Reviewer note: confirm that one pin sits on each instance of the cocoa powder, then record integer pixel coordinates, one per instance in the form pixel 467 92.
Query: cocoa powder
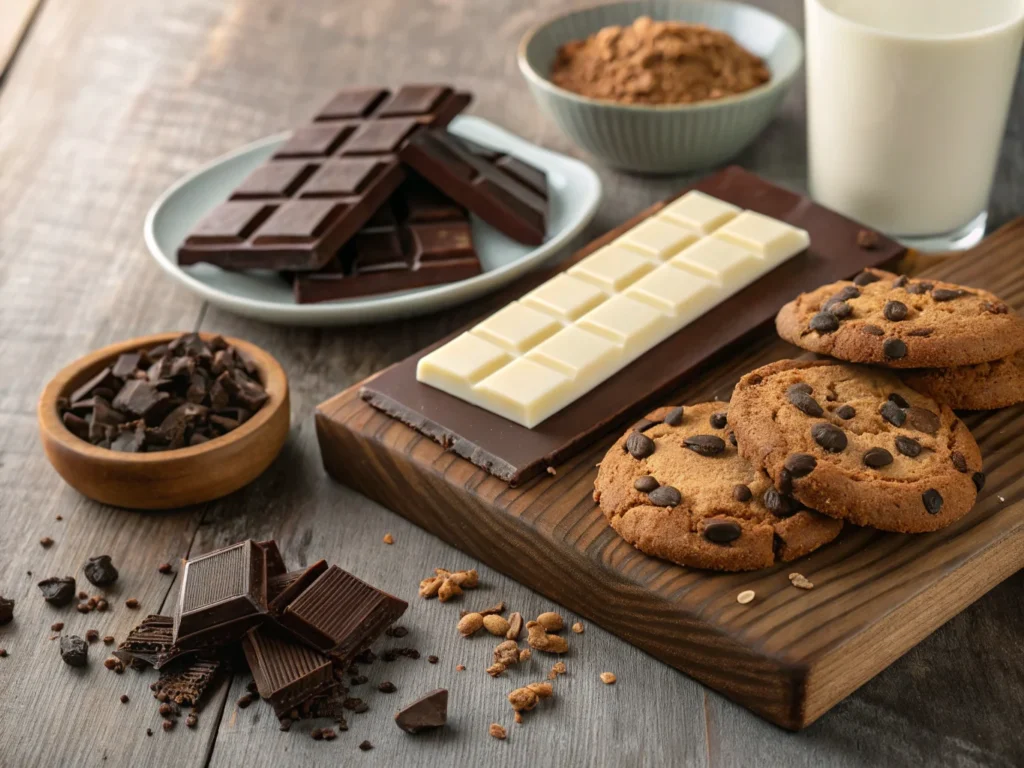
pixel 657 62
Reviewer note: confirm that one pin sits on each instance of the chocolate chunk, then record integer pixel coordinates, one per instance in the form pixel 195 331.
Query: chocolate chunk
pixel 741 493
pixel 6 611
pixel 824 322
pixel 639 446
pixel 947 294
pixel 645 484
pixel 721 531
pixel 829 437
pixel 900 281
pixel 872 330
pixel 876 458
pixel 908 446
pixel 139 398
pixel 846 293
pixel 894 348
pixel 732 439
pixel 801 387
pixel 76 425
pixel 959 461
pixel 430 711
pixel 58 591
pixel 131 440
pixel 74 651
pixel 665 496
pixel 865 277
pixel 105 379
pixel 780 504
pixel 919 288
pixel 893 413
pixel 846 412
pixel 899 399
pixel 840 309
pixel 895 311
pixel 979 480
pixel 923 420
pixel 806 404
pixel 705 445
pixel 286 672
pixel 719 420
pixel 932 501
pixel 126 365
pixel 100 570
pixel 674 417
pixel 800 464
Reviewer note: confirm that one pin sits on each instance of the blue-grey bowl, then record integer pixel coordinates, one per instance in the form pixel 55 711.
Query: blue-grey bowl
pixel 664 138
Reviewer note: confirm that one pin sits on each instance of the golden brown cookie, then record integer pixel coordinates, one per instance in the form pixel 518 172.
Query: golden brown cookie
pixel 858 444
pixel 980 387
pixel 890 320
pixel 675 487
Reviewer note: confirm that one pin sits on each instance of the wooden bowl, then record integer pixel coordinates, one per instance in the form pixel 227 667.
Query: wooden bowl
pixel 165 479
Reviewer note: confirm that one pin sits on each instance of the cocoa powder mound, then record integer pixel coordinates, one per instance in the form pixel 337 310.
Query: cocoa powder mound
pixel 658 62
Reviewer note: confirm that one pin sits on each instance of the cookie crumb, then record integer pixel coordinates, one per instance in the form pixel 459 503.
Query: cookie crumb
pixel 800 581
pixel 389 539
pixel 498 732
pixel 526 698
pixel 744 597
pixel 556 670
pixel 578 628
pixel 608 678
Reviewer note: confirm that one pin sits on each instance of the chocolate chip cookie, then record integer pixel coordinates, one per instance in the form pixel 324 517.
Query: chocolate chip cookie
pixel 980 387
pixel 890 320
pixel 858 444
pixel 675 487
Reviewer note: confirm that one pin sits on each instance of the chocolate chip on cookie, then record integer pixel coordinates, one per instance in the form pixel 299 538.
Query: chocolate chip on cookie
pixel 908 446
pixel 805 403
pixel 923 420
pixel 800 464
pixel 948 294
pixel 959 461
pixel 639 445
pixel 742 493
pixel 895 311
pixel 829 436
pixel 876 458
pixel 665 496
pixel 894 348
pixel 646 484
pixel 785 481
pixel 978 478
pixel 644 424
pixel 920 332
pixel 846 412
pixel 780 504
pixel 840 309
pixel 801 387
pixel 721 531
pixel 899 399
pixel 893 413
pixel 932 501
pixel 705 445
pixel 865 278
pixel 919 289
pixel 674 417
pixel 719 420
pixel 900 281
pixel 846 293
pixel 824 322
pixel 732 439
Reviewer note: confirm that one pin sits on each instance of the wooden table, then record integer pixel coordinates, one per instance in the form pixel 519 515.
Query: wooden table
pixel 102 105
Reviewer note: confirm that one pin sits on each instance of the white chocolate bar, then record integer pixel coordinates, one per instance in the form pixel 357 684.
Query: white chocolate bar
pixel 537 355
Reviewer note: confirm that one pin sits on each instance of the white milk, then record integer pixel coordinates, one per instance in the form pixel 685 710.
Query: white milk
pixel 907 102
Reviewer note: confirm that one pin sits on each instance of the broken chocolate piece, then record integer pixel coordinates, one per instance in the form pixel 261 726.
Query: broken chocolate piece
pixel 58 591
pixel 100 570
pixel 430 711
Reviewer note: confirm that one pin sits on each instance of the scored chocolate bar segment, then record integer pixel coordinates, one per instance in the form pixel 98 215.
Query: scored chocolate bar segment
pixel 284 588
pixel 223 594
pixel 514 453
pixel 340 615
pixel 507 193
pixel 186 681
pixel 295 211
pixel 286 672
pixel 419 238
pixel 274 560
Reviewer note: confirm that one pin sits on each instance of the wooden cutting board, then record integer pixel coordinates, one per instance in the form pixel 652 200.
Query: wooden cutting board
pixel 789 655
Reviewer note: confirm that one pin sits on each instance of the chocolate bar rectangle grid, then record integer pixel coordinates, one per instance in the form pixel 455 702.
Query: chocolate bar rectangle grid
pixel 507 193
pixel 418 238
pixel 296 210
pixel 286 673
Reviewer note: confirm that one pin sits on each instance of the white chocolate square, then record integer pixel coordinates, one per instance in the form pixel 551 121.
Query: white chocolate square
pixel 771 239
pixel 660 238
pixel 524 391
pixel 456 366
pixel 565 297
pixel 577 353
pixel 675 292
pixel 516 327
pixel 612 268
pixel 701 213
pixel 720 261
pixel 630 324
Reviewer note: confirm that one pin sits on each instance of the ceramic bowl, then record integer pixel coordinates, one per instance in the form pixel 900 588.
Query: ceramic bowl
pixel 664 138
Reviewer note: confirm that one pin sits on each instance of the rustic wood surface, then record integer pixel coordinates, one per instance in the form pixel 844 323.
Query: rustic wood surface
pixel 106 104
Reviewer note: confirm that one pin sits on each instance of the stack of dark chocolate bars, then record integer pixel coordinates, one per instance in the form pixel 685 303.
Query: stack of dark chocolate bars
pixel 299 630
pixel 371 197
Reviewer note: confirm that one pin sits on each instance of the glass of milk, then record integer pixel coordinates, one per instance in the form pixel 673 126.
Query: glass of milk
pixel 907 103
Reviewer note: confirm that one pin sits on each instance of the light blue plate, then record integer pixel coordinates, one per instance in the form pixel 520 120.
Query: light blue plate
pixel 575 192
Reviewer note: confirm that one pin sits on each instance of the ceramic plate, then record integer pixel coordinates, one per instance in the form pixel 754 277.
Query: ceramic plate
pixel 575 192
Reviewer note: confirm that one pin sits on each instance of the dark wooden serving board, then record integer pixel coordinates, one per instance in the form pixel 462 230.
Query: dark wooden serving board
pixel 791 654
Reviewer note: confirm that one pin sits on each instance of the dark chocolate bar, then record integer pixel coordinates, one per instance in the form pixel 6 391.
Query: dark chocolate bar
pixel 507 193
pixel 339 615
pixel 515 453
pixel 274 560
pixel 284 588
pixel 151 642
pixel 419 238
pixel 223 594
pixel 296 210
pixel 287 673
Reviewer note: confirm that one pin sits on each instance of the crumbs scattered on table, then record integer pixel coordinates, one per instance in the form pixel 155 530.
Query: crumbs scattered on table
pixel 578 628
pixel 800 581
pixel 608 678
pixel 389 539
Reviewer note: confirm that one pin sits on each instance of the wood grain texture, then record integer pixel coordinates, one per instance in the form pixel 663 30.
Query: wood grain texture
pixel 107 104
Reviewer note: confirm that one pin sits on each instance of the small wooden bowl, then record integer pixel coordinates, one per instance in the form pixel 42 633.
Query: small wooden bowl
pixel 165 479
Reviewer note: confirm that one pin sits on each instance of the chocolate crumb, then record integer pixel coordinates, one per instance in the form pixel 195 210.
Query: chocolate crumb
pixel 124 698
pixel 165 568
pixel 46 541
pixel 132 603
pixel 432 659
pixel 387 686
pixel 366 746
